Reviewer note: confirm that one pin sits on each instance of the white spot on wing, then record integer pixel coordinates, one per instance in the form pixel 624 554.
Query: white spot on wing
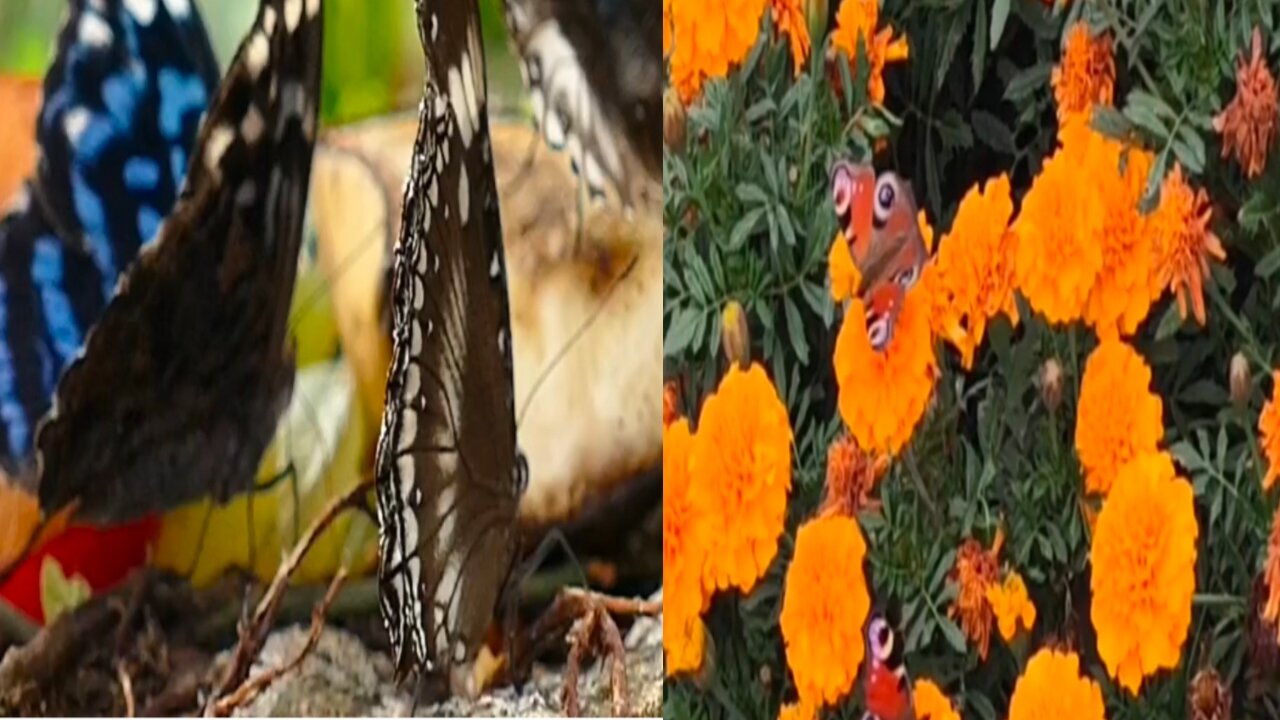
pixel 94 31
pixel 457 97
pixel 178 9
pixel 144 11
pixel 252 125
pixel 269 20
pixel 74 124
pixel 257 52
pixel 219 140
pixel 292 14
pixel 313 7
pixel 464 195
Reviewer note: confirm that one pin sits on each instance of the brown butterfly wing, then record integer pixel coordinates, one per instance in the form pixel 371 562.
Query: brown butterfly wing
pixel 183 378
pixel 449 474
pixel 897 252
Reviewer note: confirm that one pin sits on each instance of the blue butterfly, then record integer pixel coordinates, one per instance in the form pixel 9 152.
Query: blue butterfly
pixel 122 104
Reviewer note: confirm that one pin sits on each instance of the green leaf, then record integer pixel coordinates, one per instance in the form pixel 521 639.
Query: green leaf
pixel 680 333
pixel 978 60
pixel 991 131
pixel 1189 147
pixel 1170 322
pixel 59 593
pixel 955 638
pixel 1269 264
pixel 1027 81
pixel 795 329
pixel 743 229
pixel 999 16
pixel 751 194
pixel 1110 122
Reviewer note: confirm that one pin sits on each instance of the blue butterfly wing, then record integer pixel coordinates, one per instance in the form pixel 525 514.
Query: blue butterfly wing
pixel 122 105
pixel 123 102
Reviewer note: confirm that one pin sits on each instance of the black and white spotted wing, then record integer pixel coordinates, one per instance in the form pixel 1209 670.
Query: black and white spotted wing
pixel 594 73
pixel 449 474
pixel 182 380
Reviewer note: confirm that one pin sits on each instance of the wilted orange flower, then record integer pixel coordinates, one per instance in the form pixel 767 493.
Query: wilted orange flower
pixel 930 703
pixel 1184 243
pixel 1271 575
pixel 851 476
pixel 1085 75
pixel 670 403
pixel 926 230
pixel 741 470
pixel 859 18
pixel 1248 124
pixel 1119 417
pixel 683 598
pixel 1144 569
pixel 976 570
pixel 1121 297
pixel 845 277
pixel 974 277
pixel 798 711
pixel 883 395
pixel 1058 251
pixel 1269 432
pixel 789 19
pixel 1051 687
pixel 709 39
pixel 666 29
pixel 824 608
pixel 1011 605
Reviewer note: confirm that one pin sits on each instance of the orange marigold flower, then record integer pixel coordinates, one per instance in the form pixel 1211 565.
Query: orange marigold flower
pixel 975 572
pixel 1119 417
pixel 1271 575
pixel 845 277
pixel 1248 124
pixel 1144 569
pixel 1269 433
pixel 1085 75
pixel 824 608
pixel 883 395
pixel 789 19
pixel 1051 687
pixel 683 598
pixel 798 711
pixel 1121 297
pixel 1183 243
pixel 709 39
pixel 857 18
pixel 974 268
pixel 670 403
pixel 1058 251
pixel 930 703
pixel 741 469
pixel 1011 605
pixel 851 476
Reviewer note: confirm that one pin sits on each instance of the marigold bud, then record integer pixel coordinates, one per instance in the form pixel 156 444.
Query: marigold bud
pixel 1051 384
pixel 735 335
pixel 674 122
pixel 1240 380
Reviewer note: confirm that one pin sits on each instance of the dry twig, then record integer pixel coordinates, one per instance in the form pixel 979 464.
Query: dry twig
pixel 590 615
pixel 253 636
pixel 126 689
pixel 250 688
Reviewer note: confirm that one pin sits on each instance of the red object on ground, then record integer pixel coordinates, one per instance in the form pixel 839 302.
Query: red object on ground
pixel 103 556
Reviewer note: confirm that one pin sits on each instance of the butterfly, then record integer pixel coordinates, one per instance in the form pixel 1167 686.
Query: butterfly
pixel 878 217
pixel 886 688
pixel 594 72
pixel 181 382
pixel 121 106
pixel 449 472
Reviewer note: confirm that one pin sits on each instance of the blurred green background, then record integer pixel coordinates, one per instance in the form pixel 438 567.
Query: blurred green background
pixel 373 62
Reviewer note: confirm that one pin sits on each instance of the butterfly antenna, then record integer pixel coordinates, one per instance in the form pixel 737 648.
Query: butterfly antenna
pixel 204 532
pixel 577 335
